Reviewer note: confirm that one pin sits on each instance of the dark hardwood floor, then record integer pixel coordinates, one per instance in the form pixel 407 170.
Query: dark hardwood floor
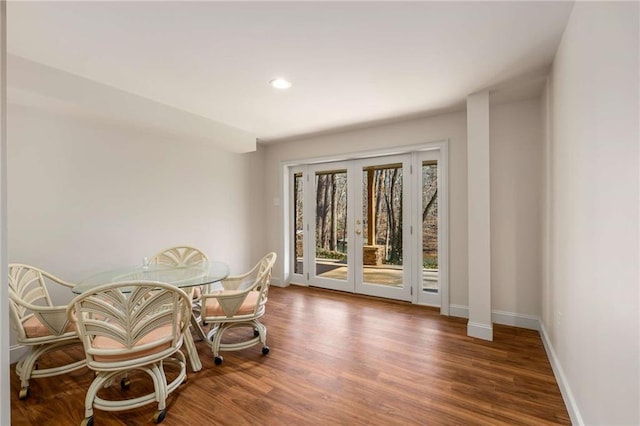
pixel 338 359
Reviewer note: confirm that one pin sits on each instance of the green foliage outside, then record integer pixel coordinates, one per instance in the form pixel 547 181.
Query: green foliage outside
pixel 430 262
pixel 330 254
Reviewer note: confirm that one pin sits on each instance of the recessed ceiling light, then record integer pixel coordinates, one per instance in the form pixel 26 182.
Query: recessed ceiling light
pixel 280 83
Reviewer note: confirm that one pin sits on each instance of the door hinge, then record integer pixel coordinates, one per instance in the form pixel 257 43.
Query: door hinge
pixel 411 169
pixel 411 230
pixel 411 288
pixel 307 226
pixel 307 276
pixel 307 177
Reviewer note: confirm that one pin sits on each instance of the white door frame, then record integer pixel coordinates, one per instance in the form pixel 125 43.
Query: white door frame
pixel 442 147
pixel 426 298
pixel 293 170
pixel 372 289
pixel 310 215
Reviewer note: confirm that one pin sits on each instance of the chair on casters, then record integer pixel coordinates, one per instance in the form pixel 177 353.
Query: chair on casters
pixel 240 304
pixel 131 326
pixel 181 256
pixel 39 324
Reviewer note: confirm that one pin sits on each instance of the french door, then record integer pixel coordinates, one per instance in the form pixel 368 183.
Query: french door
pixel 368 226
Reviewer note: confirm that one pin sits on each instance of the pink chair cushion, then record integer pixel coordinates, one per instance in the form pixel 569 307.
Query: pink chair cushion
pixel 213 308
pixel 103 342
pixel 197 291
pixel 34 328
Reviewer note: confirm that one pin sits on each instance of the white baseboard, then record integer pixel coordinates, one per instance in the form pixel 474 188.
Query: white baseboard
pixel 459 311
pixel 480 331
pixel 563 384
pixel 277 281
pixel 500 317
pixel 16 352
pixel 516 320
pixel 533 323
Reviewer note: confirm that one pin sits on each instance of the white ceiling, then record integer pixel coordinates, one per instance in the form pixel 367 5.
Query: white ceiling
pixel 350 63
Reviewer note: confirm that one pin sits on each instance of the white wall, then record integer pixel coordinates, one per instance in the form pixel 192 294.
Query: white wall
pixel 591 304
pixel 36 84
pixel 516 151
pixel 84 196
pixel 516 127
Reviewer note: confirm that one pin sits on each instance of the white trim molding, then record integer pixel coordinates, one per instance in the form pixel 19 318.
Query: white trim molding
pixel 561 379
pixel 286 243
pixel 513 319
pixel 459 311
pixel 16 352
pixel 5 352
pixel 278 282
pixel 530 322
pixel 480 331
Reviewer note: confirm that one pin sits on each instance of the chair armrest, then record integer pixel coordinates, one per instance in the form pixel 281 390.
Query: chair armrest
pixel 54 318
pixel 220 294
pixel 237 282
pixel 57 280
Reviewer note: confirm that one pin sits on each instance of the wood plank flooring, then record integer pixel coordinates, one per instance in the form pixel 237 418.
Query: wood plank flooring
pixel 338 359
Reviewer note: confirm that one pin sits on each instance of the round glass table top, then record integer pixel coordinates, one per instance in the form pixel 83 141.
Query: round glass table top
pixel 181 276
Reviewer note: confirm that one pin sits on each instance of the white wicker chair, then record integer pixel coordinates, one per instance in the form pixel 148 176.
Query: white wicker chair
pixel 181 256
pixel 131 326
pixel 38 323
pixel 240 304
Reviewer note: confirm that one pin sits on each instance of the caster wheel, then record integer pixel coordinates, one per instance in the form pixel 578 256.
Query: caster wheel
pixel 87 422
pixel 256 333
pixel 125 383
pixel 218 360
pixel 184 380
pixel 159 416
pixel 24 393
pixel 265 350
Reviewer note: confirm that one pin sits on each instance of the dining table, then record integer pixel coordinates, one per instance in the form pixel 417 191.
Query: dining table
pixel 205 273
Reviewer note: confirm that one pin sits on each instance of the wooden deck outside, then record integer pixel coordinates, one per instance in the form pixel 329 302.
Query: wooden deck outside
pixel 390 275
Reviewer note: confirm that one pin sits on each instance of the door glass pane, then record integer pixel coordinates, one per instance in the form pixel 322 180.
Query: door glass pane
pixel 430 226
pixel 382 225
pixel 331 224
pixel 298 223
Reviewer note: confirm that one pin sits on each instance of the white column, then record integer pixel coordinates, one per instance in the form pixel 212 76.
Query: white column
pixel 5 399
pixel 479 209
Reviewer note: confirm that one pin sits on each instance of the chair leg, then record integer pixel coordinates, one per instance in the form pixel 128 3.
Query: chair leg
pixel 27 367
pixel 192 352
pixel 24 367
pixel 160 384
pixel 196 326
pixel 262 331
pixel 214 338
pixel 262 335
pixel 97 384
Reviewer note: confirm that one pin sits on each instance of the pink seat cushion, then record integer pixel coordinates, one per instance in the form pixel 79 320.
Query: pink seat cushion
pixel 34 328
pixel 213 308
pixel 196 292
pixel 103 342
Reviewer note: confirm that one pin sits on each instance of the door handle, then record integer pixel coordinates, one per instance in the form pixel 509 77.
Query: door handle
pixel 358 232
